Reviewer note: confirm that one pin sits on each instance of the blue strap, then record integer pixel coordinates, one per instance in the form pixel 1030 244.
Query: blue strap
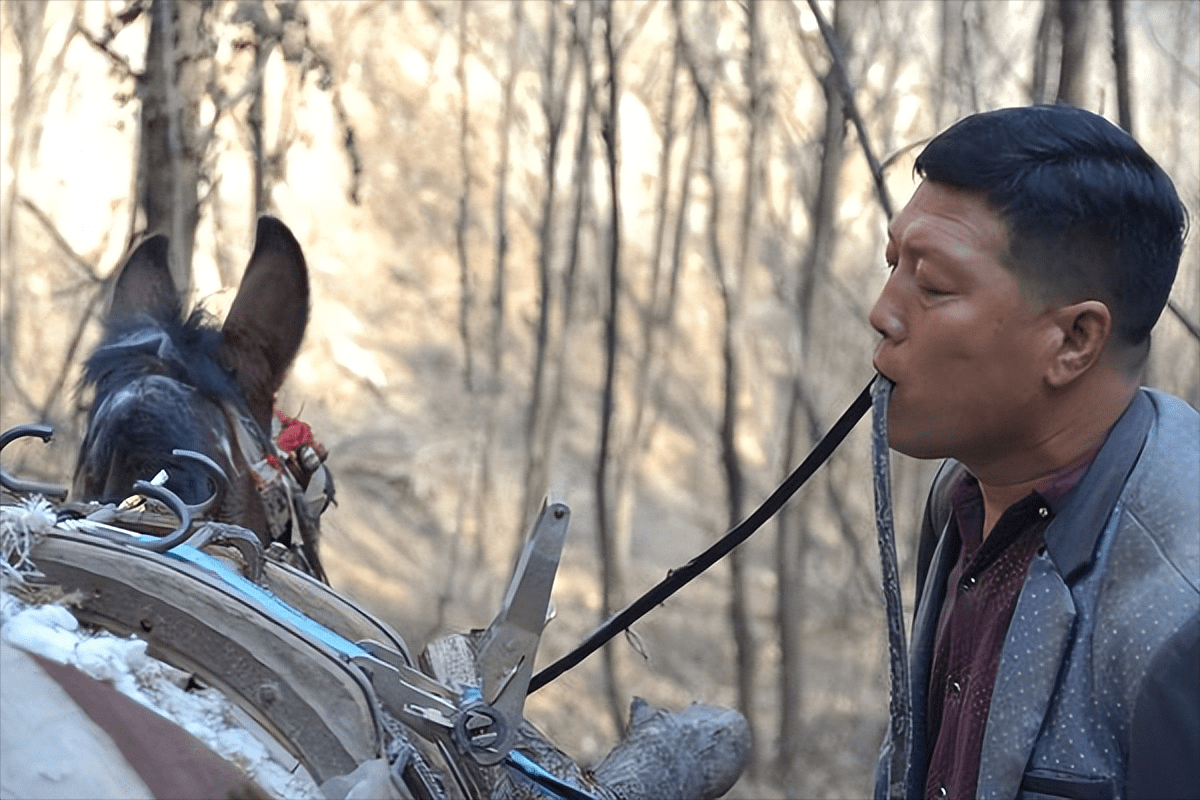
pixel 273 605
pixel 553 786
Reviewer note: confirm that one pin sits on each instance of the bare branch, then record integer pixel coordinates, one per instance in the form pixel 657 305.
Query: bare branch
pixel 843 84
pixel 122 65
pixel 1183 69
pixel 60 241
pixel 463 220
pixel 69 358
pixel 1188 323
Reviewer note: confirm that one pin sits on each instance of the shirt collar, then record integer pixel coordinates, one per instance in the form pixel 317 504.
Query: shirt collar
pixel 1057 486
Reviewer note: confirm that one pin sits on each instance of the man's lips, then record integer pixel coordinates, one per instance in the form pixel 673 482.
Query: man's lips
pixel 878 368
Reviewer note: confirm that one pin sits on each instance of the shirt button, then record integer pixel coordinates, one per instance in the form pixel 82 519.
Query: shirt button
pixel 1043 512
pixel 955 687
pixel 940 793
pixel 968 583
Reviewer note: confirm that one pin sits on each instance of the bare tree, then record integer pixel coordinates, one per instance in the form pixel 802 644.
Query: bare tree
pixel 500 268
pixel 729 287
pixel 463 220
pixel 29 32
pixel 657 310
pixel 792 542
pixel 757 113
pixel 555 87
pixel 1039 88
pixel 580 221
pixel 1073 16
pixel 1120 55
pixel 611 579
pixel 177 65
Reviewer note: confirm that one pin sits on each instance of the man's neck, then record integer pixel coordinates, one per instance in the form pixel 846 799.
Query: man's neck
pixel 1082 428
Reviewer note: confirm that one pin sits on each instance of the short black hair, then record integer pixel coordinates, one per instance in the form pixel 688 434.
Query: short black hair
pixel 1090 215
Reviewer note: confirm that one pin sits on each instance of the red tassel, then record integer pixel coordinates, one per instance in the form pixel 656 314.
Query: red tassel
pixel 294 434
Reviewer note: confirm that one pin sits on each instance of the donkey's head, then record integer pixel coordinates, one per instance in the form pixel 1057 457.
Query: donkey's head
pixel 164 382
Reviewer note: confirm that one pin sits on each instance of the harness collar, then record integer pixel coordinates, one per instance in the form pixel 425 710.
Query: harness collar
pixel 294 484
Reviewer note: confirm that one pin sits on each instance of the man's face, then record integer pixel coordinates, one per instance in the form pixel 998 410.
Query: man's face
pixel 965 348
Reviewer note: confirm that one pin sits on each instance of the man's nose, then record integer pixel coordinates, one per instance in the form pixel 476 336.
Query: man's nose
pixel 885 316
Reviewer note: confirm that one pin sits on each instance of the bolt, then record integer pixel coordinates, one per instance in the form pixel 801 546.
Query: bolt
pixel 268 693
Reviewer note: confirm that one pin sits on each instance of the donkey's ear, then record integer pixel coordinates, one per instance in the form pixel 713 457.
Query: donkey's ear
pixel 266 322
pixel 144 285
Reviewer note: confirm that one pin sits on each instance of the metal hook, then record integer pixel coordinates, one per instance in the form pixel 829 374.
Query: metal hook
pixel 244 541
pixel 179 508
pixel 17 486
pixel 217 475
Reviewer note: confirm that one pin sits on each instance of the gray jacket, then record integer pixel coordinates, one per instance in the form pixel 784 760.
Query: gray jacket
pixel 1098 689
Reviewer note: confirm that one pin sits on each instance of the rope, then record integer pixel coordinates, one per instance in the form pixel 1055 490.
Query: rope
pixel 678 578
pixel 21 527
pixel 900 705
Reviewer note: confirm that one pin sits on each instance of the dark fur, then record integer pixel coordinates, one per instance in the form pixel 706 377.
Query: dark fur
pixel 171 401
pixel 163 383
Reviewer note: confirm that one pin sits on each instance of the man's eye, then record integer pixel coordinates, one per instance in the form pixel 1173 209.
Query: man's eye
pixel 931 291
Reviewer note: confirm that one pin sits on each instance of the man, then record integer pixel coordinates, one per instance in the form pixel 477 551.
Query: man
pixel 1056 639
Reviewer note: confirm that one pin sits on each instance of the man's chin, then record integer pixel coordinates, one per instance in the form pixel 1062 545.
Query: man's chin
pixel 913 444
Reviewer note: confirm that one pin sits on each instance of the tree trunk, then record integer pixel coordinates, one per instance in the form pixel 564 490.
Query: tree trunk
pixel 611 588
pixel 30 34
pixel 462 222
pixel 1039 89
pixel 500 267
pixel 791 551
pixel 581 218
pixel 537 440
pixel 1072 77
pixel 740 616
pixel 169 170
pixel 1120 53
pixel 655 317
pixel 793 539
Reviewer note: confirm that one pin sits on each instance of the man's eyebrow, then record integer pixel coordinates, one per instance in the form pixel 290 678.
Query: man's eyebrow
pixel 920 244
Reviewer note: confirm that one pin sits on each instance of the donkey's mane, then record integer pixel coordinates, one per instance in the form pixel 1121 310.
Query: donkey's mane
pixel 185 351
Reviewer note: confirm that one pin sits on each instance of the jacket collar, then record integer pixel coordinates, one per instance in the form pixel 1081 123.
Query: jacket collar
pixel 1072 535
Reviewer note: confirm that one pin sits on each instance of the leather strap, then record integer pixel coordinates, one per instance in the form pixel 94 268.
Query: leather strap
pixel 678 578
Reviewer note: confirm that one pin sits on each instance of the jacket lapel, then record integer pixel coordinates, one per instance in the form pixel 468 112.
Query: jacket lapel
pixel 1040 631
pixel 924 636
pixel 1029 665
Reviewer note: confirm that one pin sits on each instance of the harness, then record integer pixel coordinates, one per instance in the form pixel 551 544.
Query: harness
pixel 285 463
pixel 332 684
pixel 288 470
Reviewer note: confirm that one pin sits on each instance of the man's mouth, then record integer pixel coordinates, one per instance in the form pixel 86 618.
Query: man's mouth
pixel 875 364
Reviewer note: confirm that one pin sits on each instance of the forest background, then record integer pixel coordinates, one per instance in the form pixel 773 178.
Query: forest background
pixel 617 253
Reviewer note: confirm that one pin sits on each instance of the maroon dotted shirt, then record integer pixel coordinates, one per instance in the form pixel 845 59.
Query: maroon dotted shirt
pixel 981 594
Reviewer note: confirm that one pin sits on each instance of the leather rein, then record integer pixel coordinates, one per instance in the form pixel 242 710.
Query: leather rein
pixel 678 578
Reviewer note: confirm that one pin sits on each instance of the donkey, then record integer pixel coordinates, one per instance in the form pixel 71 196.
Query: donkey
pixel 166 383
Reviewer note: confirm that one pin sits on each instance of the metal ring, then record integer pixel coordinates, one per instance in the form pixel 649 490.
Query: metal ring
pixel 217 475
pixel 480 731
pixel 49 490
pixel 178 508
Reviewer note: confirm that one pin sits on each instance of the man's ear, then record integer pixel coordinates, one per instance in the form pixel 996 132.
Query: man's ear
pixel 1083 329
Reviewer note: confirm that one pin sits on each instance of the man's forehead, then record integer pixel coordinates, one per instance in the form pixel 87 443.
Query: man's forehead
pixel 938 211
